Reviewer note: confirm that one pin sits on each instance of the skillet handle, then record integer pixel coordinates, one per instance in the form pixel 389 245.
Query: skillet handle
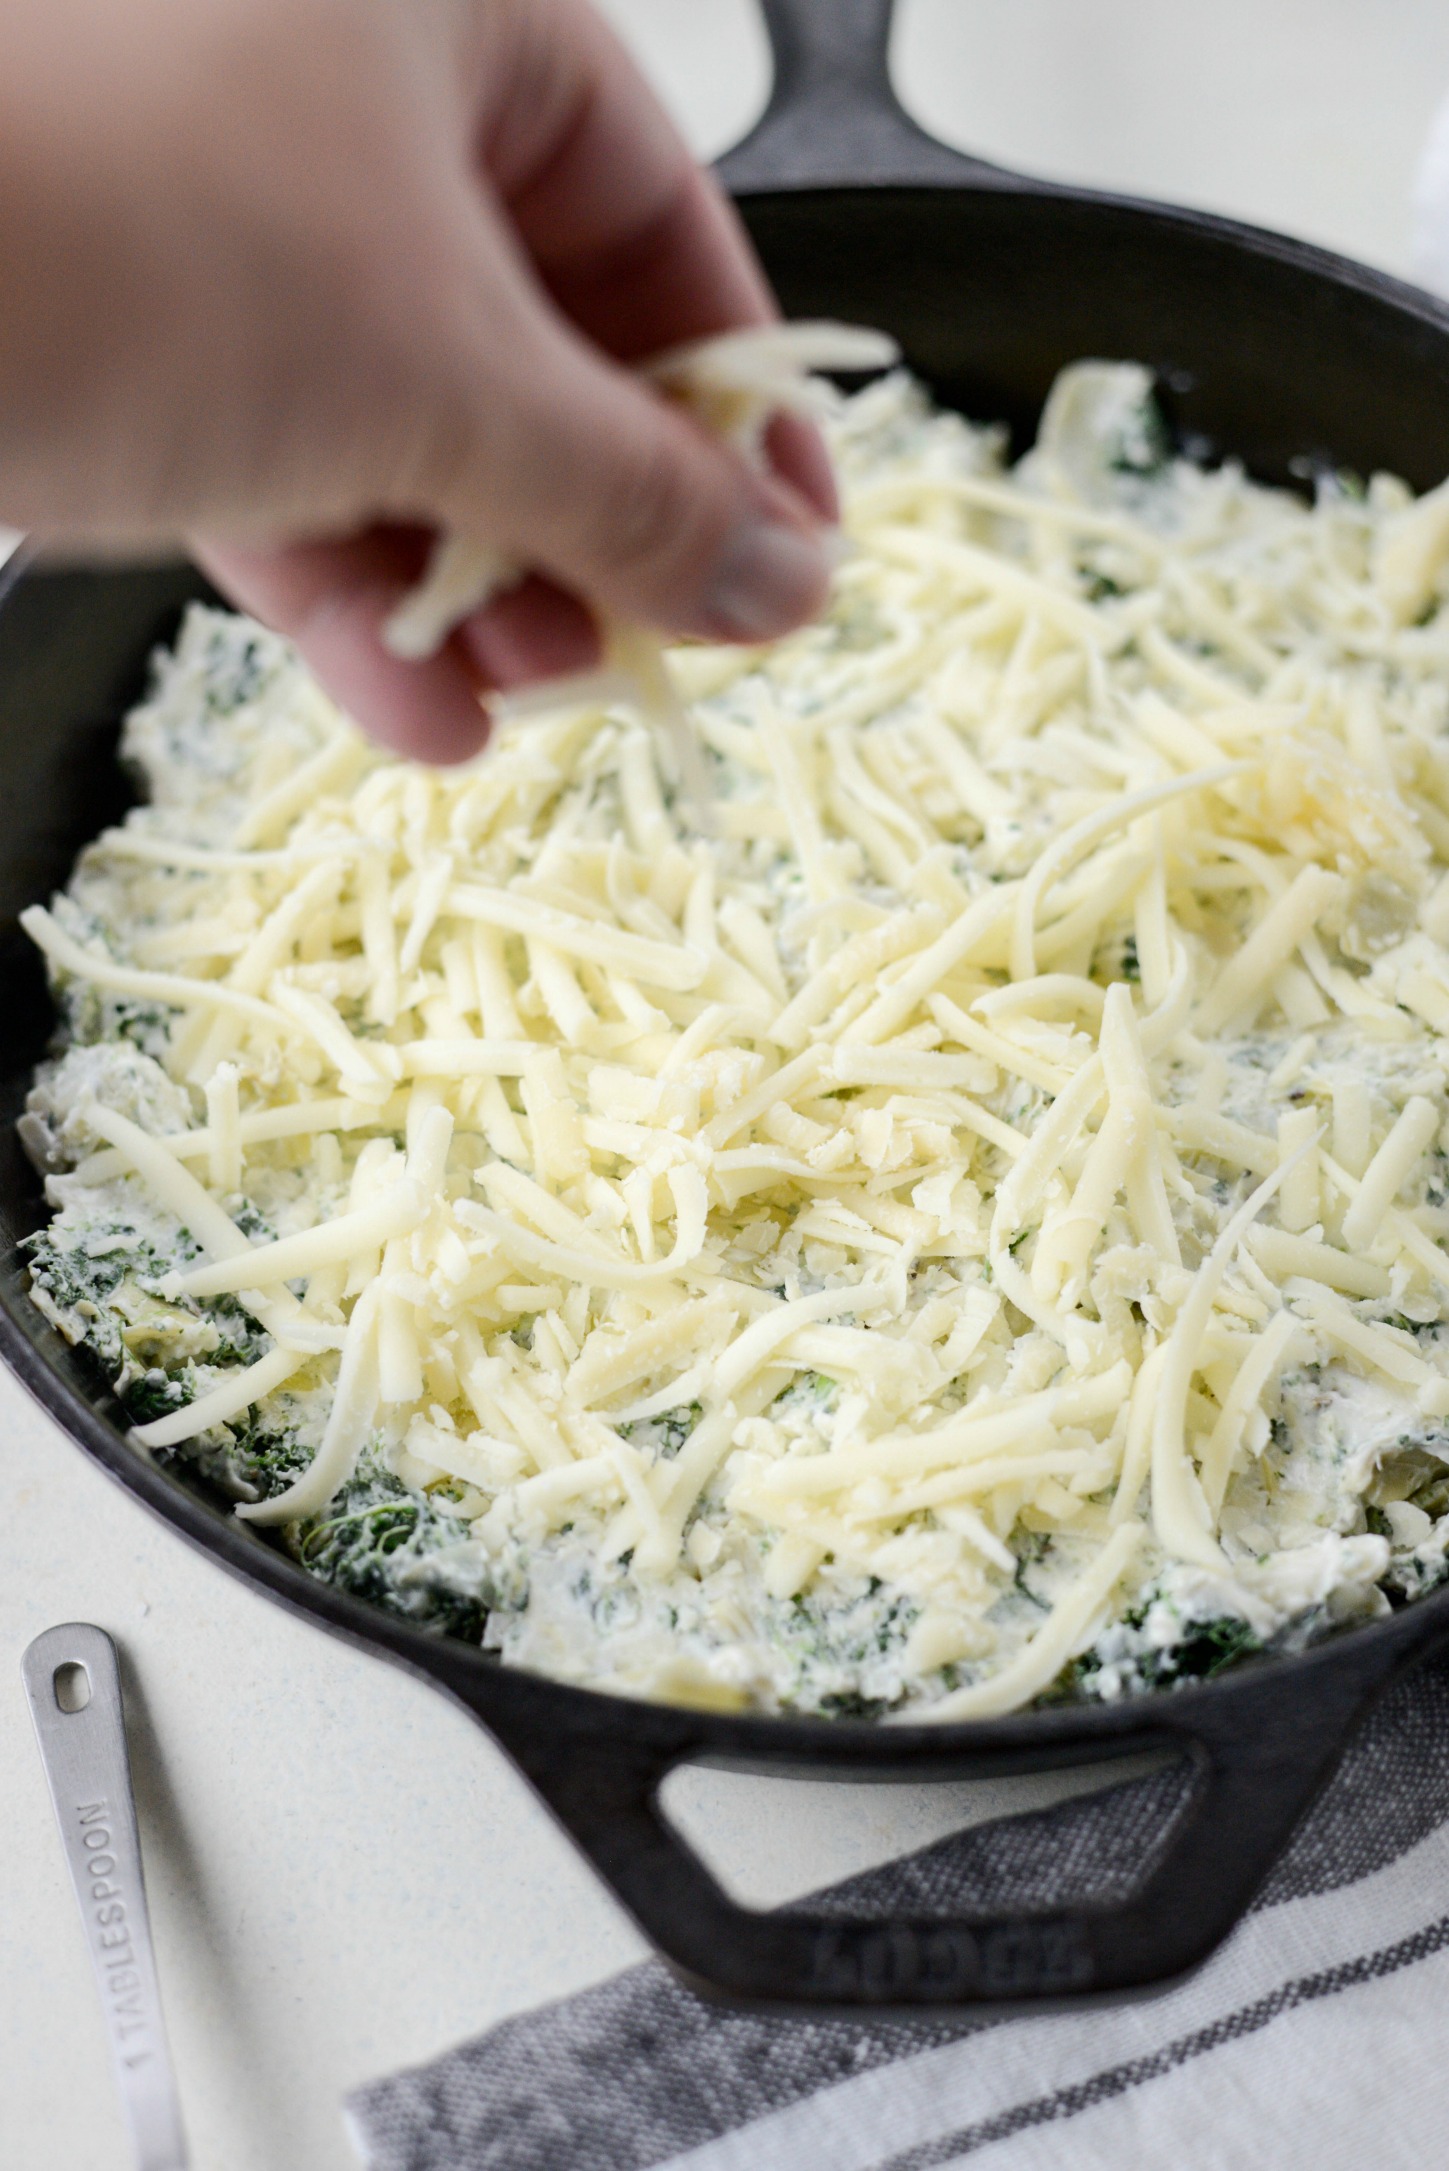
pixel 1261 1748
pixel 833 119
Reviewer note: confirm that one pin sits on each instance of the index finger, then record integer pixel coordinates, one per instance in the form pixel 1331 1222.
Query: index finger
pixel 637 245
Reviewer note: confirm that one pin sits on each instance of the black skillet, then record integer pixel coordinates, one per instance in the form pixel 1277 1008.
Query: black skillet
pixel 1270 350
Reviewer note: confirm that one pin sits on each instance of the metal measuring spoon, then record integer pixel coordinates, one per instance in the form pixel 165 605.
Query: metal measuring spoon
pixel 74 1687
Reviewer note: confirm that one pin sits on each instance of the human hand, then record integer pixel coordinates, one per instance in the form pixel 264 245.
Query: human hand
pixel 304 281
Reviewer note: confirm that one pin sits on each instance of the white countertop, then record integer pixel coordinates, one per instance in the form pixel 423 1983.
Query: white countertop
pixel 345 1875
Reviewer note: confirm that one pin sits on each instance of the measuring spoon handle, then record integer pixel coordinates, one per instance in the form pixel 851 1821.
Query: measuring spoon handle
pixel 73 1685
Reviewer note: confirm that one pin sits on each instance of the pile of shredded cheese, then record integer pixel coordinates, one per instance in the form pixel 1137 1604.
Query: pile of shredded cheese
pixel 972 1225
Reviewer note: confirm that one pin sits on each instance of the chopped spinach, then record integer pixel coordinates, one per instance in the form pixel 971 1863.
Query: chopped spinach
pixel 841 1642
pixel 384 1542
pixel 664 1435
pixel 1206 1648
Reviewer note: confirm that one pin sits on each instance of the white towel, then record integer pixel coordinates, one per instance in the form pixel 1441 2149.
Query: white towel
pixel 1317 2039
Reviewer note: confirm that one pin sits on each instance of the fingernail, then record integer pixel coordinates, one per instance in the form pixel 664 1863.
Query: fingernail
pixel 837 547
pixel 768 579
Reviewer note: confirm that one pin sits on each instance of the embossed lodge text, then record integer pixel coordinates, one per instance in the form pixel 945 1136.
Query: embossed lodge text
pixel 926 1961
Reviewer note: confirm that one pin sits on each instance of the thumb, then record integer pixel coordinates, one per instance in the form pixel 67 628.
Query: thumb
pixel 578 469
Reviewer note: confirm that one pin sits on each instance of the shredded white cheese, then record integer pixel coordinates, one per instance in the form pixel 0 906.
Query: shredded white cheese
pixel 980 1209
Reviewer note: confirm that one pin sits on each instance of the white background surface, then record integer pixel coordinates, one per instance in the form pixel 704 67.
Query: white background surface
pixel 345 1875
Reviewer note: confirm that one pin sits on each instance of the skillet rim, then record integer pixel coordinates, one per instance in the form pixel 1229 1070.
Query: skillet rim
pixel 756 1739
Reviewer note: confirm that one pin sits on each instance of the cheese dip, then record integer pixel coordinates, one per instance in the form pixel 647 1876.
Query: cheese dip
pixel 960 1218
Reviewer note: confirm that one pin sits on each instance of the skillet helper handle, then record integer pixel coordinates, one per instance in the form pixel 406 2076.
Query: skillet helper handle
pixel 833 119
pixel 1260 1754
pixel 73 1685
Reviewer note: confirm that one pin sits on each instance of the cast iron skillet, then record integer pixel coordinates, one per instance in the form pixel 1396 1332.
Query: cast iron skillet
pixel 1271 350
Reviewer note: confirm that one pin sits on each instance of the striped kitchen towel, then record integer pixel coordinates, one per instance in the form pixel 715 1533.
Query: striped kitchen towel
pixel 1315 2040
